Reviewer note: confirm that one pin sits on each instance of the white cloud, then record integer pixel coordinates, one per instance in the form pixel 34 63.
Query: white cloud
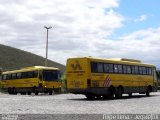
pixel 77 24
pixel 141 18
pixel 80 28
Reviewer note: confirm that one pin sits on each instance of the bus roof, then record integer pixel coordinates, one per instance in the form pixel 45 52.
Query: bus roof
pixel 117 60
pixel 31 68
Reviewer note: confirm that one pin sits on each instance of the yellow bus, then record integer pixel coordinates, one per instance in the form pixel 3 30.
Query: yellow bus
pixel 97 78
pixel 36 79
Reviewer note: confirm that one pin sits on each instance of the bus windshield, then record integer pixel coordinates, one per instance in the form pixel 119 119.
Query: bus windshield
pixel 51 75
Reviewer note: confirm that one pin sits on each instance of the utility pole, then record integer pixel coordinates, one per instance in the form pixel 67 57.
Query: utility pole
pixel 47 45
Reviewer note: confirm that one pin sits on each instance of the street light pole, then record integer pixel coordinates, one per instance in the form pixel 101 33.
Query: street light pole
pixel 47 45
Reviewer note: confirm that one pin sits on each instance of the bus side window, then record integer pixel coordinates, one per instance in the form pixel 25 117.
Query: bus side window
pixel 30 74
pixel 115 68
pixel 4 77
pixel 24 75
pixel 111 68
pixel 124 69
pixel 94 67
pixel 128 69
pixel 140 70
pixel 100 67
pixel 147 70
pixel 120 69
pixel 150 71
pixel 35 74
pixel 106 68
pixel 133 69
pixel 136 70
pixel 14 76
pixel 8 76
pixel 144 70
pixel 19 75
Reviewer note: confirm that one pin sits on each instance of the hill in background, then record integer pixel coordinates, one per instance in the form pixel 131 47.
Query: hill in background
pixel 12 58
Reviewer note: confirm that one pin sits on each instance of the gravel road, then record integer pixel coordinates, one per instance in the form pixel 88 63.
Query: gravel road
pixel 78 104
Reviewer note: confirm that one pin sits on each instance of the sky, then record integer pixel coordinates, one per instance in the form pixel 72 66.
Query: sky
pixel 98 28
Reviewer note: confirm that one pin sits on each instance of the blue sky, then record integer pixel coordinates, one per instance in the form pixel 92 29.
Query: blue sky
pixel 99 28
pixel 133 9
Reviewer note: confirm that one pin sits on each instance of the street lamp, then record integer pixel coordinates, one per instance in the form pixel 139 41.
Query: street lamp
pixel 47 45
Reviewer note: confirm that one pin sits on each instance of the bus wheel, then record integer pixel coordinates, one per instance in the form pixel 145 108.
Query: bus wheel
pixel 36 93
pixel 35 90
pixel 105 97
pixel 119 92
pixel 98 97
pixel 111 91
pixel 23 93
pixel 148 92
pixel 90 96
pixel 29 93
pixel 14 91
pixel 130 94
pixel 9 90
pixel 50 92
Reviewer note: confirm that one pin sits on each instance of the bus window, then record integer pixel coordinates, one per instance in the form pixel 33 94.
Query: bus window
pixel 128 69
pixel 150 71
pixel 124 69
pixel 19 75
pixel 35 74
pixel 136 70
pixel 144 70
pixel 108 68
pixel 8 76
pixel 4 77
pixel 115 68
pixel 119 68
pixel 51 75
pixel 94 67
pixel 100 67
pixel 133 69
pixel 14 76
pixel 140 70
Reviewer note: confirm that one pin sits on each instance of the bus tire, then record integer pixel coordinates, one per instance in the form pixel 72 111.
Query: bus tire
pixel 14 91
pixel 111 91
pixel 98 97
pixel 9 90
pixel 50 92
pixel 130 94
pixel 148 92
pixel 29 93
pixel 119 92
pixel 35 90
pixel 23 93
pixel 90 96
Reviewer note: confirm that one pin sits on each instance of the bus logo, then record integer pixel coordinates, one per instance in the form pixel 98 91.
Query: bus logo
pixel 76 66
pixel 107 81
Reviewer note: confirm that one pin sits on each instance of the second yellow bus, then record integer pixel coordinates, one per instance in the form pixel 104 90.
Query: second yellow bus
pixel 96 77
